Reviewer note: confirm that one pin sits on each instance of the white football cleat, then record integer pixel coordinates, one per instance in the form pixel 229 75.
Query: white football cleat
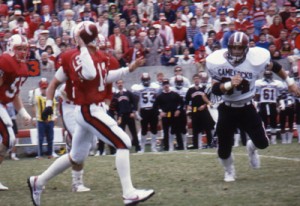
pixel 230 174
pixel 80 188
pixel 254 159
pixel 35 190
pixel 137 196
pixel 2 187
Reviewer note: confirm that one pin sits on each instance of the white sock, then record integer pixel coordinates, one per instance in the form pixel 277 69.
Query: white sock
pixel 227 163
pixel 13 155
pixel 289 137
pixel 123 168
pixel 236 139
pixel 77 177
pixel 61 164
pixel 171 142
pixel 184 139
pixel 200 141
pixel 143 142
pixel 153 141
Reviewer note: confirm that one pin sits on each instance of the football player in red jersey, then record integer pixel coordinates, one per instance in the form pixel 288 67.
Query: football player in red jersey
pixel 87 70
pixel 13 74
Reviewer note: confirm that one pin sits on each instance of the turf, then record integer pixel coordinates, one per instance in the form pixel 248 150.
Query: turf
pixel 185 178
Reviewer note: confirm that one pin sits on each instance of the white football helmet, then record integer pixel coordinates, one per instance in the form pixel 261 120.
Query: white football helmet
pixel 78 28
pixel 18 47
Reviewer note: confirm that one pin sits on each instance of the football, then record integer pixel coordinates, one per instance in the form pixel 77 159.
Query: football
pixel 88 33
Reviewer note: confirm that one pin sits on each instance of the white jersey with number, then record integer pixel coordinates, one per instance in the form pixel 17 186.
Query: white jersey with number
pixel 268 90
pixel 146 95
pixel 250 70
pixel 182 91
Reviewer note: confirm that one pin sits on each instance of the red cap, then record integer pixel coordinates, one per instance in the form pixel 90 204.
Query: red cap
pixel 206 4
pixel 298 20
pixel 2 34
pixel 293 10
pixel 202 48
pixel 43 83
pixel 144 20
pixel 287 3
pixel 250 26
pixel 167 48
pixel 213 9
pixel 129 2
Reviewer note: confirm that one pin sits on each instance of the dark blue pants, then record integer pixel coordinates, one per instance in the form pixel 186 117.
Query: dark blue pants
pixel 45 129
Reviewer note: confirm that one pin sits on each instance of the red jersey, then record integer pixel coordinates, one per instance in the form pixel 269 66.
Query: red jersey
pixel 85 92
pixel 13 74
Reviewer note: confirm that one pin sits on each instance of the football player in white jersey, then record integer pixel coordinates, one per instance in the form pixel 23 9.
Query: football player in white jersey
pixel 234 71
pixel 267 92
pixel 287 112
pixel 147 92
pixel 181 136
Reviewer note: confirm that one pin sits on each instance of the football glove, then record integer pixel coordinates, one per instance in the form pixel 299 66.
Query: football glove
pixel 47 111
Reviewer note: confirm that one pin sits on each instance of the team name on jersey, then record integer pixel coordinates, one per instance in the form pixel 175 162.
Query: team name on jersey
pixel 198 93
pixel 229 72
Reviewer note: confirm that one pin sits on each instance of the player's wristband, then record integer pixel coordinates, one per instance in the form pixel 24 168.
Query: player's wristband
pixel 49 103
pixel 22 112
pixel 289 81
pixel 228 86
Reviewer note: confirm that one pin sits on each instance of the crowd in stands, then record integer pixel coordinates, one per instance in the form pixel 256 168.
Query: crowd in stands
pixel 168 33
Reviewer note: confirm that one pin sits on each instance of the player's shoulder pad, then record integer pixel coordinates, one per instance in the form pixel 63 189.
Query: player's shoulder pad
pixel 136 87
pixel 217 57
pixel 154 85
pixel 258 56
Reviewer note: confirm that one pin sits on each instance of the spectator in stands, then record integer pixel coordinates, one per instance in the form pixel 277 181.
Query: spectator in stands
pixel 130 12
pixel 285 14
pixel 275 54
pixel 47 66
pixel 250 31
pixel 104 6
pixel 55 30
pixel 179 31
pixel 169 12
pixel 186 58
pixel 126 107
pixel 200 56
pixel 227 34
pixel 133 23
pixel 46 16
pixel 281 39
pixel 168 57
pixel 241 22
pixel 2 43
pixel 134 52
pixel 118 41
pixel 102 26
pixel 199 37
pixel 68 23
pixel 271 13
pixel 291 22
pixel 276 26
pixel 21 27
pixel 258 16
pixel 166 32
pixel 145 10
pixel 286 49
pixel 45 127
pixel 262 42
pixel 33 25
pixel 61 13
pixel 153 45
pixel 191 31
pixel 87 15
pixel 131 37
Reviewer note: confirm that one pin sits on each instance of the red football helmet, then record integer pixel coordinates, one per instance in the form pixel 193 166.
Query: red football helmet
pixel 237 48
pixel 18 47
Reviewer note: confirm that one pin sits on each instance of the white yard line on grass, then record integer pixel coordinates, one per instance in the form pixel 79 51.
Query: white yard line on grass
pixel 214 153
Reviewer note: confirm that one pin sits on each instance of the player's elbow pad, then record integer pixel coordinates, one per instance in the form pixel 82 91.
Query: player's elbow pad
pixel 216 90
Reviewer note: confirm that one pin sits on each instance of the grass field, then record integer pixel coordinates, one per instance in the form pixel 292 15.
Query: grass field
pixel 185 178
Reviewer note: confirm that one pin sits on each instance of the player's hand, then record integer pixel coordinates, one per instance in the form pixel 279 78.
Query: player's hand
pixel 25 116
pixel 47 111
pixel 177 113
pixel 202 107
pixel 137 63
pixel 162 114
pixel 236 80
pixel 294 89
